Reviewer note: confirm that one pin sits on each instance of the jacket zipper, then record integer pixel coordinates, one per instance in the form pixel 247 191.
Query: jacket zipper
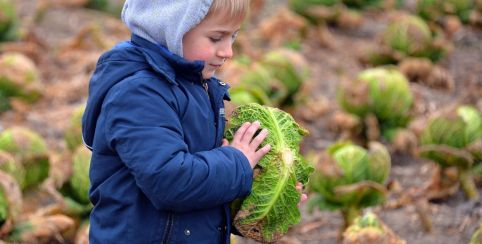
pixel 218 103
pixel 167 230
pixel 204 83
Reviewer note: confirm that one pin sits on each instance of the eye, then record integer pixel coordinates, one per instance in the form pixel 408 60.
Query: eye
pixel 214 40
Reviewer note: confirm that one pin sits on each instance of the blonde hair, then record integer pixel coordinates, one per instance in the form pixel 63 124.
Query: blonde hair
pixel 232 9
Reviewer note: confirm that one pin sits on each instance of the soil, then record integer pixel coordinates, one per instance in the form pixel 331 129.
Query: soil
pixel 65 43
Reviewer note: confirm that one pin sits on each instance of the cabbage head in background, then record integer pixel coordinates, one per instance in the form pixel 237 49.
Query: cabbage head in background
pixel 271 208
pixel 73 133
pixel 349 178
pixel 408 35
pixel 30 150
pixel 370 229
pixel 382 92
pixel 450 140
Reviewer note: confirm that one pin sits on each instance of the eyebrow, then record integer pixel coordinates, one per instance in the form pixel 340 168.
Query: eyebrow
pixel 224 32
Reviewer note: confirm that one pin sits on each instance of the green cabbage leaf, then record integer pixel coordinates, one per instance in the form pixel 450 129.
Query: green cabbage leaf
pixel 271 208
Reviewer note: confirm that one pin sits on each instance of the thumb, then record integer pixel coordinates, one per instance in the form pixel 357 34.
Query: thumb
pixel 225 143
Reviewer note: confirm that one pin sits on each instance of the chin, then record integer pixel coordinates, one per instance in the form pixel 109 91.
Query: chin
pixel 208 75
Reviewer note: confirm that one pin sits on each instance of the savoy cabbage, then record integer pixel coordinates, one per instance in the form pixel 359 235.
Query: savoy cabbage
pixel 271 208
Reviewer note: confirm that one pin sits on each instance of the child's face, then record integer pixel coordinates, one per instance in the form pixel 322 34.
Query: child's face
pixel 211 41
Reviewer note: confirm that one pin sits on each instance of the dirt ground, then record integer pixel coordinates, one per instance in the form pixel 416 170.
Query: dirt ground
pixel 66 66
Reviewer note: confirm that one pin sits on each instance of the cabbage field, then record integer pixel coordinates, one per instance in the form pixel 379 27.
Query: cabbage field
pixel 386 95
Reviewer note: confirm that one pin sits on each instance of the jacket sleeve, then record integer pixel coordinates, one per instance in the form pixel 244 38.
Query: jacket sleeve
pixel 143 127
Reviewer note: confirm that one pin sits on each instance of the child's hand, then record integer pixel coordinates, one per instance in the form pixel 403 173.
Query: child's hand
pixel 304 197
pixel 243 140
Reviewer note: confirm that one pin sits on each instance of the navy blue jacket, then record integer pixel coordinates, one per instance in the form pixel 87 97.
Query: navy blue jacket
pixel 158 173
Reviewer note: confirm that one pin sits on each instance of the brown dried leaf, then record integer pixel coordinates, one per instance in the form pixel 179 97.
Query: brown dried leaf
pixel 47 229
pixel 282 26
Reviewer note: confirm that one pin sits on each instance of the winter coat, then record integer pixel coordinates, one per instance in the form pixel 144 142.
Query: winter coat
pixel 158 173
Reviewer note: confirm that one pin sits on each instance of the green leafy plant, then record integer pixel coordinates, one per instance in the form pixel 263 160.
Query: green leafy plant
pixel 363 3
pixel 349 178
pixel 19 77
pixel 319 12
pixel 106 6
pixel 4 102
pixel 98 4
pixel 73 133
pixel 8 21
pixel 408 36
pixel 302 6
pixel 327 12
pixel 30 150
pixel 448 140
pixel 78 185
pixel 436 9
pixel 9 165
pixel 274 80
pixel 271 208
pixel 260 76
pixel 369 229
pixel 244 94
pixel 289 67
pixel 3 206
pixel 75 191
pixel 380 92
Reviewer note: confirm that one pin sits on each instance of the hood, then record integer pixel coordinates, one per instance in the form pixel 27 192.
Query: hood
pixel 164 22
pixel 123 61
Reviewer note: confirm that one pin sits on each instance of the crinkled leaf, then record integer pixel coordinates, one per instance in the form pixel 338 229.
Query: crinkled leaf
pixel 271 208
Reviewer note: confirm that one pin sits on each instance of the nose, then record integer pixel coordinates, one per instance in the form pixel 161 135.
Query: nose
pixel 225 51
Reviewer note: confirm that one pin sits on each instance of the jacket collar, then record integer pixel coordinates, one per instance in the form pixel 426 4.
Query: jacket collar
pixel 157 55
pixel 220 87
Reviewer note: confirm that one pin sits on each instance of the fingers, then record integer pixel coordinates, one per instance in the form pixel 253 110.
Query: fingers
pixel 245 140
pixel 241 131
pixel 261 152
pixel 299 186
pixel 259 139
pixel 224 143
pixel 250 131
pixel 304 197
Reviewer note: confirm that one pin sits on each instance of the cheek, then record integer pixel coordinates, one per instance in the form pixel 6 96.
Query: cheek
pixel 199 51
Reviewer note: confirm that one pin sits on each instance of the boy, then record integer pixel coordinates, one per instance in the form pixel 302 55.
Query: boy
pixel 160 170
